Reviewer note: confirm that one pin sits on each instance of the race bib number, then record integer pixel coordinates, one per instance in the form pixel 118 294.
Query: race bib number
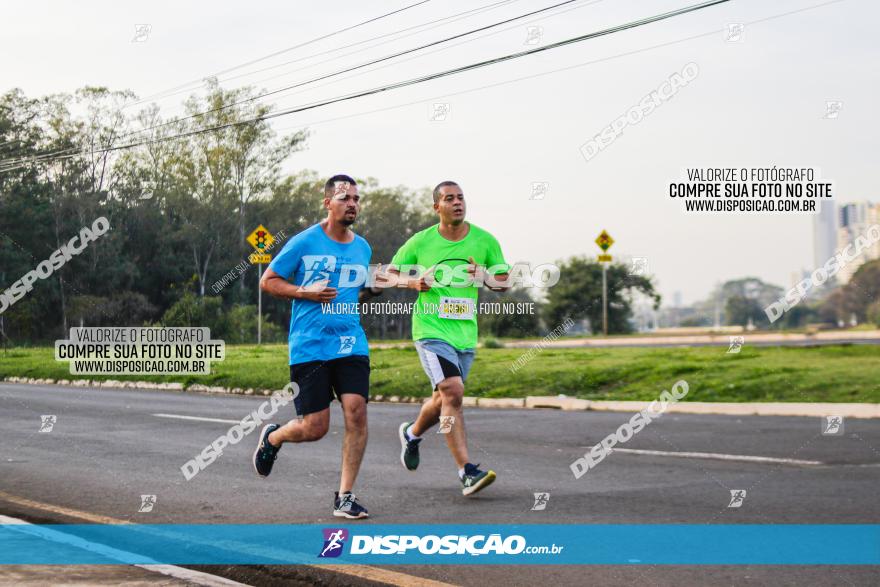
pixel 456 308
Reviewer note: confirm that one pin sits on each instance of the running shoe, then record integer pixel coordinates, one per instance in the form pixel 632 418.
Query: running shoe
pixel 266 453
pixel 409 449
pixel 347 506
pixel 474 479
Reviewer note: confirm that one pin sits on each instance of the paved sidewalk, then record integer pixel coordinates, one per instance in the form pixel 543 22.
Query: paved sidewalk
pixel 751 338
pixel 126 575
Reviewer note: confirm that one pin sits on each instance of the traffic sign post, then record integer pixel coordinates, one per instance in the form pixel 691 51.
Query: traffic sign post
pixel 261 240
pixel 259 305
pixel 604 300
pixel 604 241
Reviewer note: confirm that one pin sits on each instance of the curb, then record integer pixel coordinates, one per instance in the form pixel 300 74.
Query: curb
pixel 558 402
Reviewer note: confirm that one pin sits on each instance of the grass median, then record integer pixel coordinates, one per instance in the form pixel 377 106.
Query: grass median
pixel 833 373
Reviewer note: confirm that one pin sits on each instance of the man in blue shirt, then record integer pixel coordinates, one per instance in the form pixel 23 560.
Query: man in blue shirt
pixel 329 355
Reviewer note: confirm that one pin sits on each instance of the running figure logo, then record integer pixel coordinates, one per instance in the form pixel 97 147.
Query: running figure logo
pixel 439 112
pixel 639 266
pixel 47 423
pixel 340 189
pixel 736 343
pixel 737 496
pixel 539 190
pixel 832 109
pixel 318 268
pixel 446 423
pixel 832 425
pixel 735 32
pixel 541 500
pixel 346 345
pixel 533 35
pixel 141 33
pixel 147 503
pixel 334 540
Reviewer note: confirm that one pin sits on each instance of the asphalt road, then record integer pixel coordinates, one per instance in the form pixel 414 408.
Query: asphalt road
pixel 107 448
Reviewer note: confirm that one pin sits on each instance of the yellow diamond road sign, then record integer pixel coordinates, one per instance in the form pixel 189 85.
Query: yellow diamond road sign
pixel 260 239
pixel 604 241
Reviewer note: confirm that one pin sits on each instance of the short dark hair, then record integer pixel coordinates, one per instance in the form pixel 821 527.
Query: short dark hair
pixel 330 185
pixel 442 184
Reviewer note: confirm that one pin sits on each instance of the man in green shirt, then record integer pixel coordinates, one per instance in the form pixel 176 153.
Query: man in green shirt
pixel 455 257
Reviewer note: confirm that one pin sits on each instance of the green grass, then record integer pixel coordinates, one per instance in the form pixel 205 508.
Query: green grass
pixel 839 373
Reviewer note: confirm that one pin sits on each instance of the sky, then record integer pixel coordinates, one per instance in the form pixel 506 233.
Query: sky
pixel 756 102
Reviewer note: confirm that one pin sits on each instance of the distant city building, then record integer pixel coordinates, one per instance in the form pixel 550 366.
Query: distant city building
pixel 798 276
pixel 874 218
pixel 824 233
pixel 676 299
pixel 645 317
pixel 853 221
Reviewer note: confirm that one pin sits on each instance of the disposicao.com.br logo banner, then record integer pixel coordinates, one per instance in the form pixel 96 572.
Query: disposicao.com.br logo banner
pixel 377 544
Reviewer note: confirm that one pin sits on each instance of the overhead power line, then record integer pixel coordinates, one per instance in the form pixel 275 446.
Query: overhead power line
pixel 168 93
pixel 287 50
pixel 199 81
pixel 418 80
pixel 335 73
pixel 335 49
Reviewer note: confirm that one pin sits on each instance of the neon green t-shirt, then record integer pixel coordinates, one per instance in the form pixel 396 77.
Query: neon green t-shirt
pixel 448 311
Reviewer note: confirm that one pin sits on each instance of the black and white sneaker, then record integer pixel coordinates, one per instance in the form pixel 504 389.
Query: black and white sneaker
pixel 409 449
pixel 474 479
pixel 266 453
pixel 347 506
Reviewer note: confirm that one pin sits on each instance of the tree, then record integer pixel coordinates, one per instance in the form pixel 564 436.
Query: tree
pixel 578 295
pixel 745 297
pixel 506 323
pixel 742 311
pixel 874 313
pixel 832 310
pixel 862 290
pixel 242 160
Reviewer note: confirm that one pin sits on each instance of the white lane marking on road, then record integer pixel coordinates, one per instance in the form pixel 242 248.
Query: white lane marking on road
pixel 719 456
pixel 197 577
pixel 194 577
pixel 197 418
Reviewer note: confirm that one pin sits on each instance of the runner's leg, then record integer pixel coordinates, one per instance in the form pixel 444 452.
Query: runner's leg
pixel 354 408
pixel 315 395
pixel 429 415
pixel 451 393
pixel 312 427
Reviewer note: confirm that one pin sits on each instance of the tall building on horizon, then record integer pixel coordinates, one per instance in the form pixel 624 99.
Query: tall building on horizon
pixel 825 225
pixel 676 299
pixel 853 222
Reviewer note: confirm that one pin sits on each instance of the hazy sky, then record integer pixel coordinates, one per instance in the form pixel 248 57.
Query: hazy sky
pixel 756 102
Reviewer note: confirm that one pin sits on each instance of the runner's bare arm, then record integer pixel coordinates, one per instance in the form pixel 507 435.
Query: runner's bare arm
pixel 391 278
pixel 371 291
pixel 275 285
pixel 492 282
pixel 500 279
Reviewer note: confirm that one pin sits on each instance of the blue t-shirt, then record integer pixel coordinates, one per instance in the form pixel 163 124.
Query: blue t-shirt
pixel 334 331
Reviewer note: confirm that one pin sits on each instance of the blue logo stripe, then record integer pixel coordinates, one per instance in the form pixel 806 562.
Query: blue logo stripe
pixel 654 544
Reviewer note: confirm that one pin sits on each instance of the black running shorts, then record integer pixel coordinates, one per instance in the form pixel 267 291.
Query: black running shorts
pixel 320 381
